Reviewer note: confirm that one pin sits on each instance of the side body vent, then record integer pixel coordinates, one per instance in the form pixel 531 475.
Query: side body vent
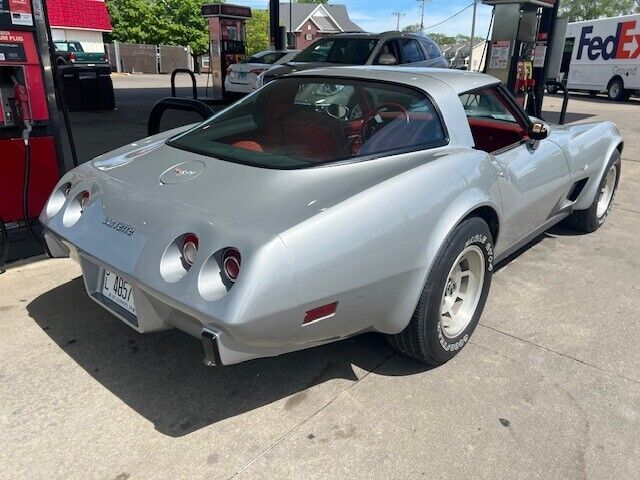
pixel 576 190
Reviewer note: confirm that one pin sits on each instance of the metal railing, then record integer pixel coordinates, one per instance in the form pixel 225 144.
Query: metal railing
pixel 175 73
pixel 565 101
pixel 175 103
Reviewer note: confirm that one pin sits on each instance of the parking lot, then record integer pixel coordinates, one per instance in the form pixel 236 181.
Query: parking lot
pixel 548 388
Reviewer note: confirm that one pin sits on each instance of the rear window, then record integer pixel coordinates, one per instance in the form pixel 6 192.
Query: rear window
pixel 303 122
pixel 68 46
pixel 432 49
pixel 411 51
pixel 349 51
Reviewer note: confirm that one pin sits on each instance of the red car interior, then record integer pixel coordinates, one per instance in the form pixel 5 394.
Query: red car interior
pixel 287 128
pixel 494 135
pixel 248 145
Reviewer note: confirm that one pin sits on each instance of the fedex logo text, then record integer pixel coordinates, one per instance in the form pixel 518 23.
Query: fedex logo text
pixel 623 45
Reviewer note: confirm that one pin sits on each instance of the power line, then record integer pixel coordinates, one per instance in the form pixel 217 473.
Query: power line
pixel 451 17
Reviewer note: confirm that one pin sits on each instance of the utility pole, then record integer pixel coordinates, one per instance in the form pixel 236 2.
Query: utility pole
pixel 473 34
pixel 397 14
pixel 422 4
pixel 290 42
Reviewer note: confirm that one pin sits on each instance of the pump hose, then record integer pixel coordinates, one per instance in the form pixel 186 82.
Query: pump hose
pixel 25 198
pixel 4 253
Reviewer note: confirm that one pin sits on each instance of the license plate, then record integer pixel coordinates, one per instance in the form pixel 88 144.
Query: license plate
pixel 118 290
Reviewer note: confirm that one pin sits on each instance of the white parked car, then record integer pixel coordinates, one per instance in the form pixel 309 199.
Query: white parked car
pixel 241 77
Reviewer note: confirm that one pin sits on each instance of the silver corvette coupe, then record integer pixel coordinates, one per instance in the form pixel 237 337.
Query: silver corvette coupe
pixel 329 203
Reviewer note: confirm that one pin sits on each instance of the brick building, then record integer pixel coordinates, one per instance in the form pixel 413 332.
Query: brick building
pixel 311 21
pixel 82 20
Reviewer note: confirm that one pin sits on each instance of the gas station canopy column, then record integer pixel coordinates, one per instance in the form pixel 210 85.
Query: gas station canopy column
pixel 519 51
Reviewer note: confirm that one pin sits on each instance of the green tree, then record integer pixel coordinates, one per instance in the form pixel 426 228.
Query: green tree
pixel 182 24
pixel 442 39
pixel 576 10
pixel 465 39
pixel 166 22
pixel 258 31
pixel 414 27
pixel 135 21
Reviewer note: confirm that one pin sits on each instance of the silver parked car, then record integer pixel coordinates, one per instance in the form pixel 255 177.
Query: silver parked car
pixel 387 48
pixel 326 204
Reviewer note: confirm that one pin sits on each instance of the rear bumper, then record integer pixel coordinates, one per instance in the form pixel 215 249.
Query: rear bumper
pixel 230 86
pixel 155 311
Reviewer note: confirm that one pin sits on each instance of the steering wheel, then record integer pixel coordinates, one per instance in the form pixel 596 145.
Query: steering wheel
pixel 369 127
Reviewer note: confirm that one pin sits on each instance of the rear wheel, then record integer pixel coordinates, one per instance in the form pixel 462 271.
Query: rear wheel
pixel 453 297
pixel 616 91
pixel 593 218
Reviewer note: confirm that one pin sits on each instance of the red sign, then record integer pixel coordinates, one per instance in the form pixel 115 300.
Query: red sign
pixel 19 6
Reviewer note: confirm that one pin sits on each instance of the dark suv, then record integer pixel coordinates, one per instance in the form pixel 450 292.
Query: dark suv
pixel 389 48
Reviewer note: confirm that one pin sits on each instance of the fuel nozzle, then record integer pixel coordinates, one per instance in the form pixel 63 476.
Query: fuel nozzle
pixel 21 96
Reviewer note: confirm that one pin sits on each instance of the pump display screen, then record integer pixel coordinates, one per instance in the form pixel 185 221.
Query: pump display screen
pixel 12 52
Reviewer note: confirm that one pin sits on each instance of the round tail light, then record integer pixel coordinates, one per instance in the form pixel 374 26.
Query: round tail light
pixel 231 263
pixel 84 200
pixel 190 248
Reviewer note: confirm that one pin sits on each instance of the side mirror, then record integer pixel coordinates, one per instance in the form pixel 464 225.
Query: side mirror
pixel 538 131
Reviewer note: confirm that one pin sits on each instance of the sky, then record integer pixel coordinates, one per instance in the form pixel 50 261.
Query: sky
pixel 376 15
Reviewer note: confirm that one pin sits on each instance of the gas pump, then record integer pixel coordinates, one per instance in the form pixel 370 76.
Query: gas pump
pixel 518 48
pixel 227 38
pixel 30 155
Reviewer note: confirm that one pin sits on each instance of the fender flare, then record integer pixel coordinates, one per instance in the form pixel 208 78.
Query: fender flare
pixel 591 189
pixel 460 209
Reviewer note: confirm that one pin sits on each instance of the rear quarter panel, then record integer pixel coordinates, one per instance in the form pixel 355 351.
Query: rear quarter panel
pixel 372 252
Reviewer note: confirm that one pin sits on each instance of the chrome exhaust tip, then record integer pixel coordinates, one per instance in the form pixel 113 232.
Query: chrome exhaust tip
pixel 210 347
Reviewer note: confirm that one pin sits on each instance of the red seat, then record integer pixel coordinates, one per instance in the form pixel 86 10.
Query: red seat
pixel 314 136
pixel 249 145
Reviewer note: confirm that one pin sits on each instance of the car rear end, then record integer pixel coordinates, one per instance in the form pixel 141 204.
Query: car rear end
pixel 241 77
pixel 229 232
pixel 155 257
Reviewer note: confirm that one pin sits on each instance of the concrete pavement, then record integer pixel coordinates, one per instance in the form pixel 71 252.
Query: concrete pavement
pixel 549 387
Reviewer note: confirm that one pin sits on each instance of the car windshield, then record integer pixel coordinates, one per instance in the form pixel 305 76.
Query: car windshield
pixel 349 51
pixel 267 58
pixel 301 122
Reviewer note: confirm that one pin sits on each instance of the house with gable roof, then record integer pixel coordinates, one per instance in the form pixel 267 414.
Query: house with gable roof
pixel 311 21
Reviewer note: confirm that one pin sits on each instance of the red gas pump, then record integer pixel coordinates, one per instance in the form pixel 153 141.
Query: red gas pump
pixel 227 34
pixel 29 147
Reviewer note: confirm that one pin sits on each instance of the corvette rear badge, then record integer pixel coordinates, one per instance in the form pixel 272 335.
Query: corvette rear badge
pixel 119 226
pixel 183 172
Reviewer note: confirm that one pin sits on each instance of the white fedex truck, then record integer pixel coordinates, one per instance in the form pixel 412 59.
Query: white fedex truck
pixel 603 56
